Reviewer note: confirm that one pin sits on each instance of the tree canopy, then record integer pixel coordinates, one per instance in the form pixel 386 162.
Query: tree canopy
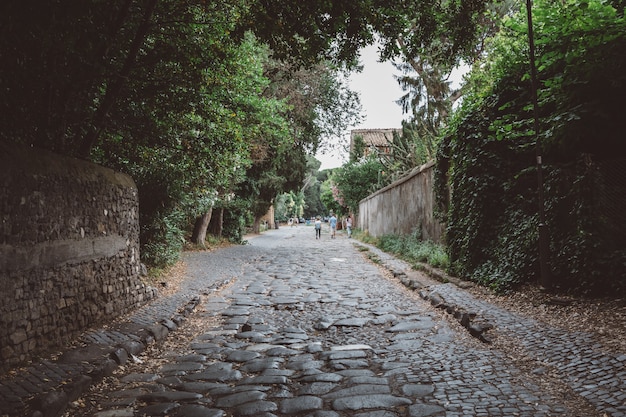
pixel 201 102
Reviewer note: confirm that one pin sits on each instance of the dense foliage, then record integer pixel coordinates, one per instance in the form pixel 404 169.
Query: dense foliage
pixel 354 181
pixel 489 153
pixel 335 30
pixel 206 104
pixel 415 250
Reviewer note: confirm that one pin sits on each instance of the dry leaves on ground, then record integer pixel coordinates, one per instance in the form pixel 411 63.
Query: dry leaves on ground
pixel 605 318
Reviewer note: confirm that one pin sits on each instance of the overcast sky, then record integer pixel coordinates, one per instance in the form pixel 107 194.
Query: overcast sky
pixel 378 90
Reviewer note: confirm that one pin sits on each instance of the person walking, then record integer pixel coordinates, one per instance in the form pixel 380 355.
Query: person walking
pixel 318 228
pixel 349 226
pixel 333 225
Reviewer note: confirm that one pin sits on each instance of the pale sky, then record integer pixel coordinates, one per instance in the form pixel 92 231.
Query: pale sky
pixel 378 90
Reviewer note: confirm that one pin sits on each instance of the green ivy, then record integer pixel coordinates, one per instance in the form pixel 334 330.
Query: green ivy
pixel 487 157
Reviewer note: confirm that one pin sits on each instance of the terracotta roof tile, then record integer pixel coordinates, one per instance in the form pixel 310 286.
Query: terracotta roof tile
pixel 373 137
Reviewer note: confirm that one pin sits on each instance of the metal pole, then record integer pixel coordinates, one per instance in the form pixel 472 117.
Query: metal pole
pixel 544 270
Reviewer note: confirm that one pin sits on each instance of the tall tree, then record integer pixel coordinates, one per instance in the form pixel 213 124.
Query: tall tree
pixel 356 180
pixel 318 30
pixel 425 79
pixel 319 106
pixel 145 86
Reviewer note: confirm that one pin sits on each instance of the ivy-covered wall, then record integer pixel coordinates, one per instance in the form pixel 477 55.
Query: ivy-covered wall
pixel 487 176
pixel 69 249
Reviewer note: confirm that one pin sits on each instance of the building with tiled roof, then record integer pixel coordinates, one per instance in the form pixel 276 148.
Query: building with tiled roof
pixel 374 139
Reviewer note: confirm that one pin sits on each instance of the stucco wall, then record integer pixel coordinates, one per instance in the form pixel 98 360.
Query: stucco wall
pixel 402 207
pixel 69 249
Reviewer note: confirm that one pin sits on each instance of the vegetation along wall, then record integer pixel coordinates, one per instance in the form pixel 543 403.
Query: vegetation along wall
pixel 69 249
pixel 403 207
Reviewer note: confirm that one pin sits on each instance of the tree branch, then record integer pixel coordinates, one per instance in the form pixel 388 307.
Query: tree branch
pixel 113 90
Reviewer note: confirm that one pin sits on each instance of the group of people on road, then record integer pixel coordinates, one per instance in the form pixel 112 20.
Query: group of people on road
pixel 332 221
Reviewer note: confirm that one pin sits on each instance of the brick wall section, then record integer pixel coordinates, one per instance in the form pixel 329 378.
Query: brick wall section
pixel 402 207
pixel 69 250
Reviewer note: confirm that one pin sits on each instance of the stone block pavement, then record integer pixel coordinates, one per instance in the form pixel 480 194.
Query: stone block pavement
pixel 321 338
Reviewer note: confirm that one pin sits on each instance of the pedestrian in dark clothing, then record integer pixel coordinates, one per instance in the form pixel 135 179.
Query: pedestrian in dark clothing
pixel 318 228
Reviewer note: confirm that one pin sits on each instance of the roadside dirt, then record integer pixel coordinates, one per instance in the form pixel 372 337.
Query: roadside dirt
pixel 605 318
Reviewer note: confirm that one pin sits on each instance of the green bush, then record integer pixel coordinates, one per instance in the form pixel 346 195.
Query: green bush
pixel 165 240
pixel 413 250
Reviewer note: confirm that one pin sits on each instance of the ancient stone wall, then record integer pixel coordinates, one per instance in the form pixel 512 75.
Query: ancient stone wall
pixel 403 207
pixel 69 250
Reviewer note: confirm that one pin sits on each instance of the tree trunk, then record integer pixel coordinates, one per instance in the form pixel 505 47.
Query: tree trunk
pixel 199 231
pixel 216 223
pixel 256 227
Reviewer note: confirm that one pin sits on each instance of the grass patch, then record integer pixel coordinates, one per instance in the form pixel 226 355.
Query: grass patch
pixel 410 249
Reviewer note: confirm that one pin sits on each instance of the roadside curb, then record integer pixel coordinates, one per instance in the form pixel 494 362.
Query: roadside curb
pixel 46 388
pixel 476 325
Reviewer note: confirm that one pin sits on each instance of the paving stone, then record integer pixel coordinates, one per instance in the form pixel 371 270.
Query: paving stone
pixel 180 368
pixel 242 356
pixel 161 409
pixel 261 364
pixel 252 335
pixel 191 358
pixel 367 380
pixel 240 398
pixel 170 381
pixel 407 326
pixel 277 371
pixel 324 413
pixel 352 322
pixel 217 375
pixel 295 334
pixel 356 372
pixel 359 390
pixel 190 410
pixel 282 351
pixel 236 312
pixel 206 346
pixel 138 377
pixel 262 347
pixel 317 388
pixel 406 345
pixel 304 364
pixel 169 396
pixel 285 300
pixel 417 390
pixel 256 408
pixel 349 364
pixel 126 412
pixel 314 347
pixel 322 377
pixel 351 347
pixel 265 380
pixel 343 354
pixel 302 403
pixel 361 402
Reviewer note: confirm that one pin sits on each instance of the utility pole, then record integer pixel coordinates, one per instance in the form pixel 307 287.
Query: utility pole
pixel 544 270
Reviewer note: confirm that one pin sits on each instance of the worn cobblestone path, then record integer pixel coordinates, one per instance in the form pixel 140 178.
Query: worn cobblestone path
pixel 308 328
pixel 294 326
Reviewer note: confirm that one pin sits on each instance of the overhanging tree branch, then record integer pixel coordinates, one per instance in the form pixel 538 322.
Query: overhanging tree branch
pixel 113 89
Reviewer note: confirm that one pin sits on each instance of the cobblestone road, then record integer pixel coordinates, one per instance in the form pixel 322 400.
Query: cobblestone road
pixel 307 327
